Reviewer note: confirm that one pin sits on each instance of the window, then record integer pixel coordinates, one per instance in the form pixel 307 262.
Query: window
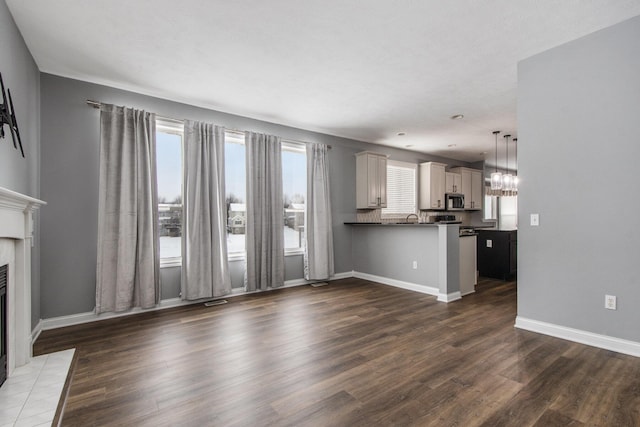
pixel 490 205
pixel 235 192
pixel 169 172
pixel 294 191
pixel 401 189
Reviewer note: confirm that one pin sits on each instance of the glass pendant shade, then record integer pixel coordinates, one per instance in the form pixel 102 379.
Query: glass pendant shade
pixel 496 177
pixel 507 182
pixel 515 176
pixel 496 181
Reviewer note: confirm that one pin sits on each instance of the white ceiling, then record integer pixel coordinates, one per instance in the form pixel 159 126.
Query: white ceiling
pixel 358 69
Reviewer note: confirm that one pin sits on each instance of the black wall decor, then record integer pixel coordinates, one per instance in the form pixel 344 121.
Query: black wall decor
pixel 8 117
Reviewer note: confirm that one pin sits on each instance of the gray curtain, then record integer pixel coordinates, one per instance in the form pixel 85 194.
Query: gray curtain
pixel 205 273
pixel 128 253
pixel 265 212
pixel 318 256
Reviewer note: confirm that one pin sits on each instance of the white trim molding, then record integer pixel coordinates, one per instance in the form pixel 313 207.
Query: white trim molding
pixel 429 290
pixel 606 342
pixel 91 316
pixel 453 296
pixel 16 241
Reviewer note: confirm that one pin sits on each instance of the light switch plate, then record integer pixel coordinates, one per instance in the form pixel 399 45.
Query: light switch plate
pixel 489 243
pixel 535 220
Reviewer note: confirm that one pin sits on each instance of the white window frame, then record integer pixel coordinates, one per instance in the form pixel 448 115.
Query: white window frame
pixel 175 127
pixel 405 165
pixel 235 137
pixel 297 147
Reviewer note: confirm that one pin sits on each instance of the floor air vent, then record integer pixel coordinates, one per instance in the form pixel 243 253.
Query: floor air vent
pixel 318 284
pixel 216 302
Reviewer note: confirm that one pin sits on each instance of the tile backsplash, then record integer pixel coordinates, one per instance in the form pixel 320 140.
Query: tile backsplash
pixel 375 215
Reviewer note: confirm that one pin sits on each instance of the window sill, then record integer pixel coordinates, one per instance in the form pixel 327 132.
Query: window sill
pixel 171 262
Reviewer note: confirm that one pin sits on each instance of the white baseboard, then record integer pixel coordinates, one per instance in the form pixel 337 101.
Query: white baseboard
pixel 453 296
pixel 91 316
pixel 339 276
pixel 429 290
pixel 583 337
pixel 35 333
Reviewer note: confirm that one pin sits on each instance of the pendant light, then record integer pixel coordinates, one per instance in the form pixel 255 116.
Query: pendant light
pixel 507 178
pixel 496 177
pixel 515 176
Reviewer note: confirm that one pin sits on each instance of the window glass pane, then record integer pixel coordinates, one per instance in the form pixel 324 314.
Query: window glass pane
pixel 235 183
pixel 294 190
pixel 490 205
pixel 169 170
pixel 401 188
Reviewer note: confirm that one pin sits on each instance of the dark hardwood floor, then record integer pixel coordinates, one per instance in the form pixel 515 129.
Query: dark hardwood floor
pixel 353 353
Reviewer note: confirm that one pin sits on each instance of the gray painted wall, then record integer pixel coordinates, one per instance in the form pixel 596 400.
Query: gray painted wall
pixel 70 134
pixel 21 75
pixel 578 107
pixel 389 251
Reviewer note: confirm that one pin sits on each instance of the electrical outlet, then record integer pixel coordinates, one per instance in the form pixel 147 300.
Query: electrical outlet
pixel 489 243
pixel 415 265
pixel 535 220
pixel 610 302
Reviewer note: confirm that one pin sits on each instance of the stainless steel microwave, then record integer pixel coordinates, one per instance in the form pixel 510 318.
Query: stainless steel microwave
pixel 454 201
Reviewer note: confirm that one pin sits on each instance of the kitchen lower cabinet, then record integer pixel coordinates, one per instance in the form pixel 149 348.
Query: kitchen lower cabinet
pixel 497 253
pixel 468 264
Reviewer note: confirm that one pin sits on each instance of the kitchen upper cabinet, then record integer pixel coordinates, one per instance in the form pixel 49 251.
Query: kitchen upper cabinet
pixel 371 180
pixel 432 185
pixel 453 183
pixel 471 187
pixel 476 190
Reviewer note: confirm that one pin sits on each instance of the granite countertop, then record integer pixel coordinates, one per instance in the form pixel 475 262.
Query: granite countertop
pixel 404 223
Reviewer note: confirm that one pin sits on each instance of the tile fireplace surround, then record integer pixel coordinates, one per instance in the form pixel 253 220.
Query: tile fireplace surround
pixel 16 236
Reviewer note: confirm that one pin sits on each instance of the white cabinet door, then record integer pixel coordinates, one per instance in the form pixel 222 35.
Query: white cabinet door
pixel 471 187
pixel 453 183
pixel 432 185
pixel 468 264
pixel 382 181
pixel 476 190
pixel 371 180
pixel 466 187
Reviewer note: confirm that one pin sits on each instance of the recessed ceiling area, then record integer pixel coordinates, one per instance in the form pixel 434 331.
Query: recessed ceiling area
pixel 369 71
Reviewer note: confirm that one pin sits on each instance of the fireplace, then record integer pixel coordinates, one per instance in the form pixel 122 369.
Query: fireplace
pixel 16 240
pixel 3 322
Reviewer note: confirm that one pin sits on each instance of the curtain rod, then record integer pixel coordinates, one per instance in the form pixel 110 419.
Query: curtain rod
pixel 98 104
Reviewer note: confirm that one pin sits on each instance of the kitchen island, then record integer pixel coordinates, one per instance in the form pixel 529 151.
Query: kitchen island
pixel 422 257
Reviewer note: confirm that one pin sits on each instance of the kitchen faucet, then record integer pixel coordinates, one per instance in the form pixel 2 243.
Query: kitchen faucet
pixel 417 218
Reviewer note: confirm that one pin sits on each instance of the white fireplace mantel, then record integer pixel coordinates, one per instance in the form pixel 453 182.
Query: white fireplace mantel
pixel 16 237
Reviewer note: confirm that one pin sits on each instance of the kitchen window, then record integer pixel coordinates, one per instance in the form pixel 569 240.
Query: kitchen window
pixel 402 189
